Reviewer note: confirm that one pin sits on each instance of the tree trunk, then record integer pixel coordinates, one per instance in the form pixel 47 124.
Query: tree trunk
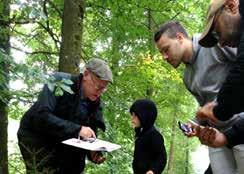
pixel 71 47
pixel 172 143
pixel 187 157
pixel 150 34
pixel 149 91
pixel 115 52
pixel 5 47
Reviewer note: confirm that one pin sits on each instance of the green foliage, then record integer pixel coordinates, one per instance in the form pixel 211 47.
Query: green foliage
pixel 167 90
pixel 121 33
pixel 18 166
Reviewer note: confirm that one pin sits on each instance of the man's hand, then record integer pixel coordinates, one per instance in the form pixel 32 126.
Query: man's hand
pixel 87 132
pixel 150 172
pixel 212 137
pixel 195 129
pixel 233 5
pixel 206 112
pixel 96 157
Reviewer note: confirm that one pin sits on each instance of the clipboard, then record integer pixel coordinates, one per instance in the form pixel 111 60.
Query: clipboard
pixel 95 145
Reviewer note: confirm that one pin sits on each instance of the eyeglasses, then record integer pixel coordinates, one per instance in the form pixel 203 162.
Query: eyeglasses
pixel 97 86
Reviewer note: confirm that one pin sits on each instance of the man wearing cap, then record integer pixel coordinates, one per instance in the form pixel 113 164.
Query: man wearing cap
pixel 230 97
pixel 53 119
pixel 225 25
pixel 200 63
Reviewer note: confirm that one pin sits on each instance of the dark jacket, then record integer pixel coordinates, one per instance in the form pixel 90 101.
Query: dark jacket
pixel 230 98
pixel 231 95
pixel 53 119
pixel 235 134
pixel 149 152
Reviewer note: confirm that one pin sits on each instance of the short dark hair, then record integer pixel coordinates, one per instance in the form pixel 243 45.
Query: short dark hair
pixel 171 28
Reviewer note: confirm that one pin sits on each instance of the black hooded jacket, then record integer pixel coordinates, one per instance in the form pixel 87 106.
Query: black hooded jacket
pixel 149 152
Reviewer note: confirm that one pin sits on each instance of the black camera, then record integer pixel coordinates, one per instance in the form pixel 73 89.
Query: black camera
pixel 184 127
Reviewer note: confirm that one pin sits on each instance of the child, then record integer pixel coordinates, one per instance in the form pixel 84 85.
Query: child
pixel 149 153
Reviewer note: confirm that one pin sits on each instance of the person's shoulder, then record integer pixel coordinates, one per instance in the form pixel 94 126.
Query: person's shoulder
pixel 58 76
pixel 157 140
pixel 155 134
pixel 158 133
pixel 61 75
pixel 195 39
pixel 196 36
pixel 195 42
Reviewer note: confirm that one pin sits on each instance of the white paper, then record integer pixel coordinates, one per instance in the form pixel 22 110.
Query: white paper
pixel 97 145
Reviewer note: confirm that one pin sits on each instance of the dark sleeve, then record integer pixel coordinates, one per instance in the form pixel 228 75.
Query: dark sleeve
pixel 158 149
pixel 46 123
pixel 235 134
pixel 231 95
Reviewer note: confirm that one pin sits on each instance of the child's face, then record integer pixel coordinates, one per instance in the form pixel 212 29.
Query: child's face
pixel 135 121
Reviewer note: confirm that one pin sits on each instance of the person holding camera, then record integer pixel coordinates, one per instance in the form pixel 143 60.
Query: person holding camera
pixel 225 26
pixel 205 68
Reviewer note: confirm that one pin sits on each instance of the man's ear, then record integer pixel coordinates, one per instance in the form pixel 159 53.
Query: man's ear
pixel 180 37
pixel 85 74
pixel 232 6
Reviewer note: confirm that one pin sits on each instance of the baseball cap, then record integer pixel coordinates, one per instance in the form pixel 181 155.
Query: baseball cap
pixel 207 38
pixel 100 68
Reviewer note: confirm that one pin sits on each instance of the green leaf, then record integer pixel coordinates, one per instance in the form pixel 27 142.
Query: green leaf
pixel 67 81
pixel 66 88
pixel 51 86
pixel 59 92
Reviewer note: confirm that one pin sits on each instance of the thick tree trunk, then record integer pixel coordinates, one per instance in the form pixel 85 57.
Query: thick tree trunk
pixel 172 144
pixel 71 47
pixel 5 47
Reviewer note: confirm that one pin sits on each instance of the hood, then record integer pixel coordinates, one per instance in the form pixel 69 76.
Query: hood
pixel 146 112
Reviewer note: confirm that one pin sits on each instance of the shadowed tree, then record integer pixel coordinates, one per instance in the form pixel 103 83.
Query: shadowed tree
pixel 5 50
pixel 72 24
pixel 170 169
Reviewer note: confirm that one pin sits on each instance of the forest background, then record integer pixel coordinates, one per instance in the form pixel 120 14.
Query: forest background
pixel 38 37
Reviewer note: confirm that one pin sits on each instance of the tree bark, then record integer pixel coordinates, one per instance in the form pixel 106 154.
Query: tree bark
pixel 115 52
pixel 172 144
pixel 72 25
pixel 149 91
pixel 150 34
pixel 187 157
pixel 5 48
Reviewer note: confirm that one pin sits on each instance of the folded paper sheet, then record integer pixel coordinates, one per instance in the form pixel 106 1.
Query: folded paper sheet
pixel 97 145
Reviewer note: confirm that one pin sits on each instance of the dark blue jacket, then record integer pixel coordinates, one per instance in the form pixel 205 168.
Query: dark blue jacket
pixel 231 96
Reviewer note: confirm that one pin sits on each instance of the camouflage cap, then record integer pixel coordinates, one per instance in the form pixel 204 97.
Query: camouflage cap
pixel 207 39
pixel 100 68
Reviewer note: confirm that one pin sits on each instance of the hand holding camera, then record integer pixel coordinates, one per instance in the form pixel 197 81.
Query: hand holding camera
pixel 185 128
pixel 190 129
